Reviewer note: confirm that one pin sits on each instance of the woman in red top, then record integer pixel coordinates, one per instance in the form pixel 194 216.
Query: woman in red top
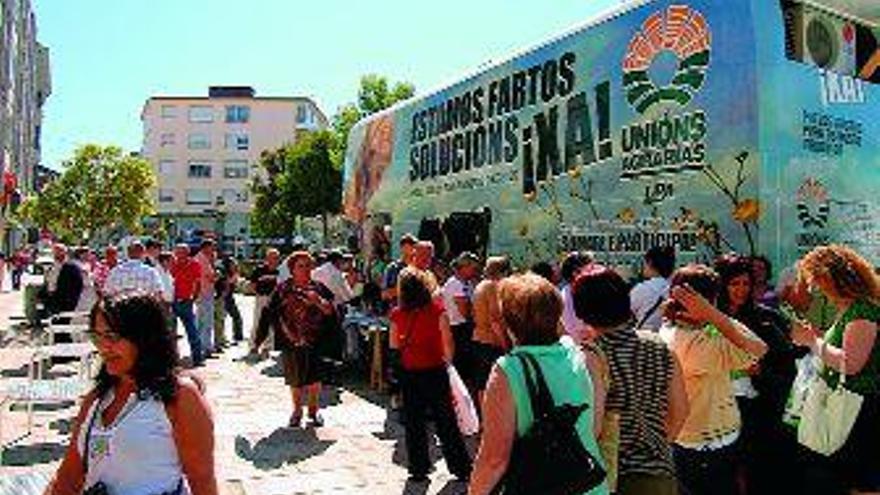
pixel 420 330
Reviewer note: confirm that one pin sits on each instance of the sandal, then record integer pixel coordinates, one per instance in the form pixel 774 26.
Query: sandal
pixel 295 420
pixel 316 419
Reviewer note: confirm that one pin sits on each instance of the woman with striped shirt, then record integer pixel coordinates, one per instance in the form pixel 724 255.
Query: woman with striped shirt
pixel 646 386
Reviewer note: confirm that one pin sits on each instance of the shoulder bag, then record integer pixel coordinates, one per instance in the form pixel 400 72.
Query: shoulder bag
pixel 651 311
pixel 828 416
pixel 549 459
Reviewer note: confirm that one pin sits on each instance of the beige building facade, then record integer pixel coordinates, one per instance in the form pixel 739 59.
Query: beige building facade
pixel 205 152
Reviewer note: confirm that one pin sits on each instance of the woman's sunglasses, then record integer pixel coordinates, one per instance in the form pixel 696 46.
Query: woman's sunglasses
pixel 108 337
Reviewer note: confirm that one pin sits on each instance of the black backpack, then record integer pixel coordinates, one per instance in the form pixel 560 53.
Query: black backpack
pixel 549 459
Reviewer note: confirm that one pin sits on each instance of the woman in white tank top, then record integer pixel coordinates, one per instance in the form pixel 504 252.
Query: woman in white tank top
pixel 144 429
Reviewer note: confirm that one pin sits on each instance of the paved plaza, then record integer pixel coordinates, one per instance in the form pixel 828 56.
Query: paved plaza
pixel 358 450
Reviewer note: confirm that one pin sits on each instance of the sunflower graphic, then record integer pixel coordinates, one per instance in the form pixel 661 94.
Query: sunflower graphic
pixel 747 211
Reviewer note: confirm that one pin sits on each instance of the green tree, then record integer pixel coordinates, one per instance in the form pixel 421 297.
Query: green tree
pixel 101 189
pixel 305 178
pixel 376 95
pixel 274 213
pixel 302 179
pixel 316 177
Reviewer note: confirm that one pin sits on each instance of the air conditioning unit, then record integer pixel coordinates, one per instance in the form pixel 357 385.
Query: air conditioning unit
pixel 820 38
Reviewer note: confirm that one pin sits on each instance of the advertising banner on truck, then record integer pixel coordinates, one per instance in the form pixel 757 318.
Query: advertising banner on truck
pixel 641 128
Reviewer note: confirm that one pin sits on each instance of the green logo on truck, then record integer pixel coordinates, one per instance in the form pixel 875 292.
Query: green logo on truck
pixel 679 30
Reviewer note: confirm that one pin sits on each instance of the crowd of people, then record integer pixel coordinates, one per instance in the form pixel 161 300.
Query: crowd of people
pixel 688 375
pixel 193 284
pixel 684 383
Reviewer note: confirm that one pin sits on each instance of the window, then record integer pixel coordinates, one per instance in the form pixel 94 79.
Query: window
pixel 198 197
pixel 231 196
pixel 235 169
pixel 166 167
pixel 169 111
pixel 238 113
pixel 237 141
pixel 166 195
pixel 199 170
pixel 201 113
pixel 199 141
pixel 302 114
pixel 166 139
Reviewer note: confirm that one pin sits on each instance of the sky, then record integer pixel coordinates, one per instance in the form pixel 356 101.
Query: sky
pixel 109 56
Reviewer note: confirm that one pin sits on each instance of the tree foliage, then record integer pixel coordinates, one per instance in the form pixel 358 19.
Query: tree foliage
pixel 376 95
pixel 305 178
pixel 301 179
pixel 100 189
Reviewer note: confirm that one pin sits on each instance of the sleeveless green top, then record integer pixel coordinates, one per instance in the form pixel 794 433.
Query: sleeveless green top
pixel 568 380
pixel 867 381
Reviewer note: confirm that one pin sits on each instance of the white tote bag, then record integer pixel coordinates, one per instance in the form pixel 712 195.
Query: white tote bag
pixel 465 412
pixel 828 416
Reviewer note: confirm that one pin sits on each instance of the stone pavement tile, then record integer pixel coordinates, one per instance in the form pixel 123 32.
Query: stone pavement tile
pixel 358 451
pixel 280 485
pixel 12 302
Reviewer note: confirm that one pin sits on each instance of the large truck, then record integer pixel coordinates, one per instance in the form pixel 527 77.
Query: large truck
pixel 708 125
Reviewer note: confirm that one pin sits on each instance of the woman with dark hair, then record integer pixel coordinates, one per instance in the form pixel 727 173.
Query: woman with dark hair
pixel 144 428
pixel 646 387
pixel 762 274
pixel 849 347
pixel 762 391
pixel 710 346
pixel 420 331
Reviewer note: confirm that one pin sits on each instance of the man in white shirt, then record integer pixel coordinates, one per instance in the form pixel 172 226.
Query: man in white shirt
pixel 89 295
pixel 164 260
pixel 647 297
pixel 330 276
pixel 457 295
pixel 133 276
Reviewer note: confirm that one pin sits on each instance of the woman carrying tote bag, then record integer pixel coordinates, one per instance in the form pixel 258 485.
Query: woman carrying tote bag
pixel 848 347
pixel 420 330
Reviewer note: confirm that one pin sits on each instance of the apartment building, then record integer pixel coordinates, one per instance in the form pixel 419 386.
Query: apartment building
pixel 205 150
pixel 25 84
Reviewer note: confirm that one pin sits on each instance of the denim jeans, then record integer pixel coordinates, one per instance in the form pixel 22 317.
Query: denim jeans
pixel 184 311
pixel 205 317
